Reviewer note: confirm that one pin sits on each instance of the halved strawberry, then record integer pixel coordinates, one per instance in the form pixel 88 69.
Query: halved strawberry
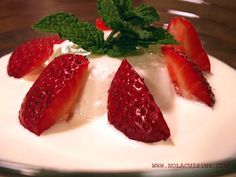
pixel 54 93
pixel 132 109
pixel 31 55
pixel 100 24
pixel 188 80
pixel 185 33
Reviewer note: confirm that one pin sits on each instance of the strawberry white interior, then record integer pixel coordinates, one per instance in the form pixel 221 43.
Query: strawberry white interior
pixel 88 142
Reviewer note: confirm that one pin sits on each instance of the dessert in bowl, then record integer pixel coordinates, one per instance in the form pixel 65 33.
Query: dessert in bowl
pixel 88 142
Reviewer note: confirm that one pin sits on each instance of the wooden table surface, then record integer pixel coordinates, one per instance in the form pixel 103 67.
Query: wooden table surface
pixel 216 25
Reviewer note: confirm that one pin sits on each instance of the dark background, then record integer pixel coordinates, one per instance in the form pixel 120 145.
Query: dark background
pixel 216 23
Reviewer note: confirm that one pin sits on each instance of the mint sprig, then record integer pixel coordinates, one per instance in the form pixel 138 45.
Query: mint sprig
pixel 68 27
pixel 131 28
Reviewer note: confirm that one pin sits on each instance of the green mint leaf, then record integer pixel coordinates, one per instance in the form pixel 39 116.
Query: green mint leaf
pixel 127 19
pixel 85 35
pixel 142 15
pixel 109 12
pixel 68 27
pixel 160 36
pixel 124 5
pixel 128 44
pixel 58 22
pixel 120 6
pixel 123 45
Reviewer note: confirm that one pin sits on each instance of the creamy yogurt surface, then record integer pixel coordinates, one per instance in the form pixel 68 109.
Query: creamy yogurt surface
pixel 88 142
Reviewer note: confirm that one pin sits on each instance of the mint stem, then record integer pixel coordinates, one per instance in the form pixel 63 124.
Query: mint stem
pixel 110 37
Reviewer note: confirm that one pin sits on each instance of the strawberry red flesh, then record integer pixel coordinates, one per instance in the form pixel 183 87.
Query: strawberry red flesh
pixel 132 109
pixel 190 44
pixel 188 80
pixel 54 93
pixel 31 55
pixel 100 24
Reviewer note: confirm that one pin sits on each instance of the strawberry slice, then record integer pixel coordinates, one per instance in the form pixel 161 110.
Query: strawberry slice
pixel 54 93
pixel 31 55
pixel 132 109
pixel 184 32
pixel 188 80
pixel 100 24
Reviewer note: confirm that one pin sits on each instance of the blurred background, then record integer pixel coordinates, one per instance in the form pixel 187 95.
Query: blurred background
pixel 213 19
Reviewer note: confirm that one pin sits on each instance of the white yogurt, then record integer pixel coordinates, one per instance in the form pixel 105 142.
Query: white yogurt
pixel 88 142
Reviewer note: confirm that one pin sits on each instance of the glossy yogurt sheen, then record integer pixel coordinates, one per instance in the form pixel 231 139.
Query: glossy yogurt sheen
pixel 88 142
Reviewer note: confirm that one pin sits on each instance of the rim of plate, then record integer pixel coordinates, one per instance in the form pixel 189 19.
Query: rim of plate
pixel 218 168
